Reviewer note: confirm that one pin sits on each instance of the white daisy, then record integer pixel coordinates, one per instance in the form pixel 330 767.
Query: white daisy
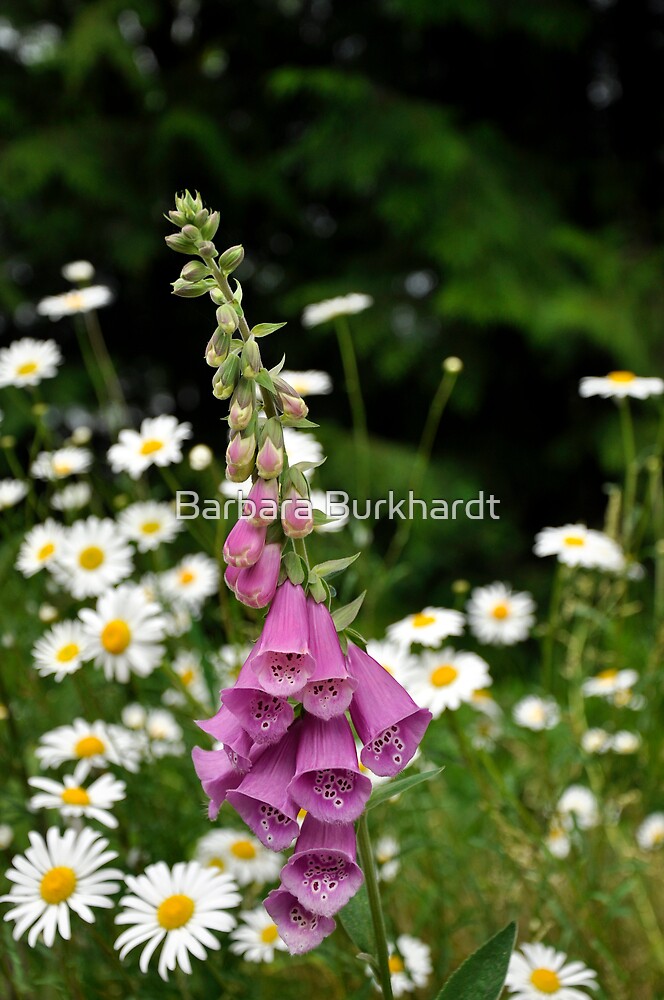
pixel 499 616
pixel 93 744
pixel 78 271
pixel 93 557
pixel 618 385
pixel 308 383
pixel 124 633
pixel 576 545
pixel 393 656
pixel 70 798
pixel 625 742
pixel 12 491
pixel 578 806
pixel 445 679
pixel 59 464
pixel 200 457
pixel 608 683
pixel 179 907
pixel 164 732
pixel 28 361
pixel 536 713
pixel 80 301
pixel 256 938
pixel 539 971
pixel 558 841
pixel 187 666
pixel 149 524
pixel 386 850
pixel 194 579
pixel 241 854
pixel 74 496
pixel 58 874
pixel 341 305
pixel 596 740
pixel 428 627
pixel 40 547
pixel 650 834
pixel 159 442
pixel 410 964
pixel 61 651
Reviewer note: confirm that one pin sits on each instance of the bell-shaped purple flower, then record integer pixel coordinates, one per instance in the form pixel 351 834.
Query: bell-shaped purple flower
pixel 262 505
pixel 262 798
pixel 265 717
pixel 328 782
pixel 236 741
pixel 256 585
pixel 244 544
pixel 322 873
pixel 283 661
pixel 387 720
pixel 217 776
pixel 329 690
pixel 299 928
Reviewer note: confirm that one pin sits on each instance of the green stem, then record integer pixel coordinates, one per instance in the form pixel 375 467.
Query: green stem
pixel 629 450
pixel 373 892
pixel 356 400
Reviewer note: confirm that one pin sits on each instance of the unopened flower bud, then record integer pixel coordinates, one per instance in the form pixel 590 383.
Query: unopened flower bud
pixel 217 349
pixel 227 318
pixel 251 358
pixel 270 458
pixel 195 270
pixel 242 405
pixel 290 401
pixel 226 377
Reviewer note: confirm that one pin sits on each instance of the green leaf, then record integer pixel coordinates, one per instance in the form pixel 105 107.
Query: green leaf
pixel 482 976
pixel 334 566
pixel 346 615
pixel 264 379
pixel 265 329
pixel 382 793
pixel 356 920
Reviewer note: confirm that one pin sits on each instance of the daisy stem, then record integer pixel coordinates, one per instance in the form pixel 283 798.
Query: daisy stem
pixel 629 450
pixel 371 881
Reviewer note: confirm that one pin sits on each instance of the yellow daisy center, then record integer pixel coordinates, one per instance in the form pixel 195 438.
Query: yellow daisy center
pixel 621 376
pixel 75 797
pixel 217 863
pixel 186 576
pixel 395 964
pixel 150 527
pixel 27 368
pixel 57 885
pixel 607 675
pixel 500 611
pixel 175 912
pixel 67 653
pixel 91 558
pixel 89 746
pixel 573 540
pixel 150 446
pixel 420 620
pixel 46 551
pixel 116 636
pixel 269 934
pixel 244 850
pixel 545 980
pixel 444 675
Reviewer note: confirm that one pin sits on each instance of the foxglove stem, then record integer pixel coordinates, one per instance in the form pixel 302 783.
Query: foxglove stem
pixel 373 892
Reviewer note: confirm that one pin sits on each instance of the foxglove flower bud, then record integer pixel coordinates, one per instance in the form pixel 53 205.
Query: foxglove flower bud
pixel 299 928
pixel 251 358
pixel 226 377
pixel 227 318
pixel 262 505
pixel 265 717
pixel 290 400
pixel 329 690
pixel 242 405
pixel 217 776
pixel 322 873
pixel 236 741
pixel 270 457
pixel 244 544
pixel 257 585
pixel 217 349
pixel 282 659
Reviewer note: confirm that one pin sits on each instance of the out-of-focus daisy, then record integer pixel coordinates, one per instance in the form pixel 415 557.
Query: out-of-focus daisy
pixel 650 834
pixel 393 656
pixel 609 682
pixel 61 651
pixel 596 740
pixel 93 744
pixel 428 627
pixel 409 963
pixel 387 850
pixel 187 666
pixel 536 713
pixel 256 938
pixel 178 908
pixel 93 557
pixel 28 361
pixel 149 524
pixel 539 971
pixel 321 501
pixel 164 732
pixel 625 742
pixel 80 301
pixel 446 679
pixel 159 442
pixel 74 496
pixel 241 854
pixel 308 383
pixel 70 798
pixel 12 491
pixel 124 633
pixel 40 547
pixel 59 464
pixel 578 806
pixel 618 385
pixel 558 841
pixel 576 545
pixel 499 616
pixel 200 457
pixel 63 872
pixel 341 305
pixel 194 579
pixel 78 271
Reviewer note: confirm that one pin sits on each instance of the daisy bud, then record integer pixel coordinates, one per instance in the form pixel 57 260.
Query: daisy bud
pixel 270 458
pixel 244 544
pixel 386 719
pixel 236 741
pixel 217 776
pixel 251 358
pixel 226 377
pixel 290 401
pixel 262 506
pixel 329 690
pixel 264 717
pixel 242 447
pixel 322 874
pixel 282 659
pixel 231 259
pixel 227 318
pixel 195 270
pixel 242 405
pixel 299 928
pixel 257 585
pixel 297 515
pixel 328 782
pixel 217 349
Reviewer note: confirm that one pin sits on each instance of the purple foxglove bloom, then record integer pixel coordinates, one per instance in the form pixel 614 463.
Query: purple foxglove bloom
pixel 262 798
pixel 328 782
pixel 257 585
pixel 299 928
pixel 231 575
pixel 265 717
pixel 244 544
pixel 217 776
pixel 329 690
pixel 262 505
pixel 237 743
pixel 297 515
pixel 387 720
pixel 322 873
pixel 282 660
